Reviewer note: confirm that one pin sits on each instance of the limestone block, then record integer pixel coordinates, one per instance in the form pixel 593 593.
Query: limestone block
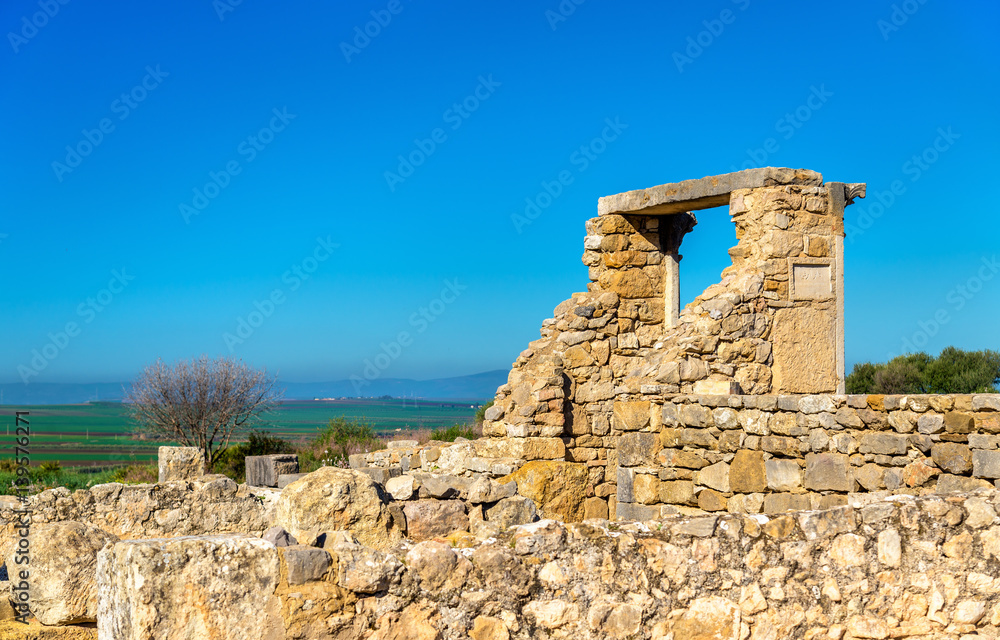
pixel 782 502
pixel 747 472
pixel 711 191
pixel 711 500
pixel 520 448
pixel 646 488
pixel 626 485
pixel 986 464
pixel 426 519
pixel 263 471
pixel 512 511
pixel 804 351
pixel 212 587
pixel 279 537
pixel 631 416
pixel 714 476
pixel 695 415
pixel 332 499
pixel 710 617
pixel 870 476
pixel 63 584
pixel 638 448
pixel 362 569
pixel 286 479
pixel 595 508
pixel 631 283
pixel 952 457
pixel 443 487
pixel 402 487
pixel 180 463
pixel 888 444
pixel 304 564
pixel 782 475
pixel 948 483
pixel 485 489
pixel 677 492
pixel 557 487
pixel 636 512
pixel 438 566
pixel 956 422
pixel 828 472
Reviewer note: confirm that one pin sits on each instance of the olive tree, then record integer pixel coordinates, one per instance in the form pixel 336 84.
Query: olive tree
pixel 201 402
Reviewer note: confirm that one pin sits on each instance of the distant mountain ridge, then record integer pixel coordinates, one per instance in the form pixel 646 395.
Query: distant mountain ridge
pixel 478 386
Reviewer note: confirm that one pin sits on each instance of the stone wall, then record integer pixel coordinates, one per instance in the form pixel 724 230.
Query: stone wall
pixel 773 324
pixel 214 504
pixel 906 567
pixel 775 453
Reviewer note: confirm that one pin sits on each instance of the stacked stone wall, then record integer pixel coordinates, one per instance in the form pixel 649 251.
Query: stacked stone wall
pixel 777 453
pixel 772 323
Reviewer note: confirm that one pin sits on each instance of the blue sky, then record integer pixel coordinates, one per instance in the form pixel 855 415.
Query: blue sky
pixel 227 167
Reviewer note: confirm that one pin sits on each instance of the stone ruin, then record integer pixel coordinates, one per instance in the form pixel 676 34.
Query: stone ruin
pixel 647 472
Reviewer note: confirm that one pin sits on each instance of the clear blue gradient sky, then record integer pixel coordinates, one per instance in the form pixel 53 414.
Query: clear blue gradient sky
pixel 154 99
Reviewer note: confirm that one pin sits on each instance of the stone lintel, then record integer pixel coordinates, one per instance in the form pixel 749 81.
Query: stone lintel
pixel 711 191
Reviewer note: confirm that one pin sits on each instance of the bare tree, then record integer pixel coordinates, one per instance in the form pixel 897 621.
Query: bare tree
pixel 202 402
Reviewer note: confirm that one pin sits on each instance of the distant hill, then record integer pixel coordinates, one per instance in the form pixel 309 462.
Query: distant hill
pixel 479 386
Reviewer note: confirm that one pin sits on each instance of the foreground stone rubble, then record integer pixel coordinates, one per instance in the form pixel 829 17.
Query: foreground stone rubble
pixel 902 566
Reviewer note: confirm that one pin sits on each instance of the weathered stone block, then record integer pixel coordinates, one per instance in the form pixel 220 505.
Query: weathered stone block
pixel 888 444
pixel 180 463
pixel 782 502
pixel 783 475
pixel 870 476
pixel 63 587
pixel 747 472
pixel 780 445
pixel 987 402
pixel 714 476
pixel 828 472
pixel 985 464
pixel 631 416
pixel 711 500
pixel 638 449
pixel 695 415
pixel 511 511
pixel 286 479
pixel 332 499
pixel 304 564
pixel 595 508
pixel 263 471
pixel 426 519
pixel 677 492
pixel 948 483
pixel 638 512
pixel 626 485
pixel 956 422
pixel 520 448
pixel 952 457
pixel 220 587
pixel 646 488
pixel 557 487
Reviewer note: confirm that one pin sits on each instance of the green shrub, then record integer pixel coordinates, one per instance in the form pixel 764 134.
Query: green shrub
pixel 455 431
pixel 50 467
pixel 953 371
pixel 136 474
pixel 481 412
pixel 334 444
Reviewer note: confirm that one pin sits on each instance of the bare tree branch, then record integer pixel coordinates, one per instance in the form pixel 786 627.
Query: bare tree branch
pixel 201 403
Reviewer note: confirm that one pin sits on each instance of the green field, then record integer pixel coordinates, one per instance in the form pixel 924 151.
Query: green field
pixel 99 434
